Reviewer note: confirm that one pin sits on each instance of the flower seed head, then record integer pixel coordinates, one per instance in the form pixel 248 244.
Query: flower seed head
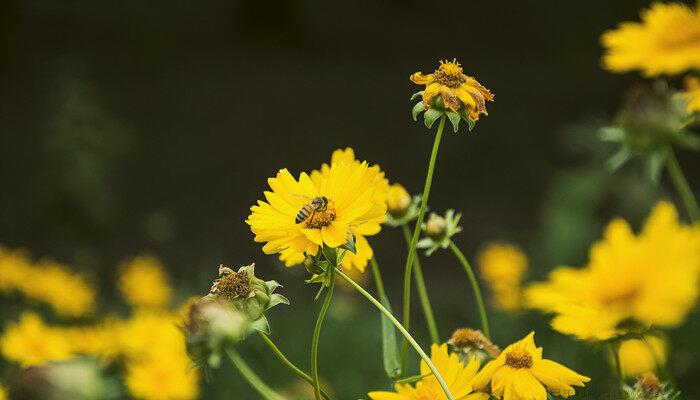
pixel 472 343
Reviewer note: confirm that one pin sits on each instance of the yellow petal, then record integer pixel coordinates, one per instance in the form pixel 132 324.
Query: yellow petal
pixel 420 79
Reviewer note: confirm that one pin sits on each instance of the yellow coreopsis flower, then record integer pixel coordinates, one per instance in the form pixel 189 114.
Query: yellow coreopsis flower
pixel 667 41
pixel 650 278
pixel 3 395
pixel 458 91
pixel 301 215
pixel 398 200
pixel 167 378
pixel 102 340
pixel 503 266
pixel 457 376
pixel 638 356
pixel 15 266
pixel 692 94
pixel 68 293
pixel 520 373
pixel 30 342
pixel 150 334
pixel 143 282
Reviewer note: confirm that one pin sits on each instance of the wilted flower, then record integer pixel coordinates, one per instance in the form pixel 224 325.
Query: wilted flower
pixel 520 373
pixel 650 387
pixel 449 92
pixel 143 282
pixel 439 231
pixel 471 343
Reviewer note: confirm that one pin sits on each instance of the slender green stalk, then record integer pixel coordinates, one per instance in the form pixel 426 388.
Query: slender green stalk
pixel 401 329
pixel 614 349
pixel 287 363
pixel 377 278
pixel 316 337
pixel 475 288
pixel 253 379
pixel 414 240
pixel 422 291
pixel 682 187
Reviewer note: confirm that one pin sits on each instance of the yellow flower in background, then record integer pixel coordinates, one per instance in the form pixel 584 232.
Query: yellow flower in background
pixel 398 200
pixel 68 293
pixel 638 356
pixel 102 340
pixel 3 395
pixel 667 41
pixel 30 342
pixel 503 266
pixel 458 91
pixel 340 201
pixel 651 278
pixel 163 379
pixel 15 266
pixel 150 334
pixel 692 94
pixel 520 373
pixel 457 376
pixel 143 283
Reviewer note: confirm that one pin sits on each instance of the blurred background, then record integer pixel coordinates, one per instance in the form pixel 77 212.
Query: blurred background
pixel 152 126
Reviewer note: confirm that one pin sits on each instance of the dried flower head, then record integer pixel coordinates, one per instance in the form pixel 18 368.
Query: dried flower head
pixel 470 343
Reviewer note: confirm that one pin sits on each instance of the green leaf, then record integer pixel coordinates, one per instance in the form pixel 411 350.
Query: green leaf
pixel 431 115
pixel 261 324
pixel 454 119
pixel 619 159
pixel 417 94
pixel 471 123
pixel 655 164
pixel 390 348
pixel 417 109
pixel 349 245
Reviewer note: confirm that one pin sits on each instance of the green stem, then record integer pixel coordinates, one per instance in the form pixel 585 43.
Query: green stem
pixel 414 240
pixel 401 329
pixel 614 349
pixel 475 288
pixel 422 291
pixel 287 363
pixel 253 379
pixel 682 187
pixel 377 278
pixel 316 337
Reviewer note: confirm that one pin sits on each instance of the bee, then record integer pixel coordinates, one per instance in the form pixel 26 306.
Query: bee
pixel 310 208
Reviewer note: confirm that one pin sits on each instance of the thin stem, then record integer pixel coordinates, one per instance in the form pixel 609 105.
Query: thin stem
pixel 253 379
pixel 377 278
pixel 316 337
pixel 614 349
pixel 401 329
pixel 475 288
pixel 682 187
pixel 422 291
pixel 296 370
pixel 414 240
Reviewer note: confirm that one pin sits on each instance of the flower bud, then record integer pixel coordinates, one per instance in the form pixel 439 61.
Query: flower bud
pixel 471 343
pixel 398 200
pixel 435 227
pixel 439 231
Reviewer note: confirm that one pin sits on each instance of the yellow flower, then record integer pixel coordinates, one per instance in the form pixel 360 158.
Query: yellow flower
pixel 350 201
pixel 68 293
pixel 692 94
pixel 3 395
pixel 638 356
pixel 143 283
pixel 150 334
pixel 457 376
pixel 168 378
pixel 30 342
pixel 102 340
pixel 458 91
pixel 667 41
pixel 520 373
pixel 398 200
pixel 503 267
pixel 650 278
pixel 15 266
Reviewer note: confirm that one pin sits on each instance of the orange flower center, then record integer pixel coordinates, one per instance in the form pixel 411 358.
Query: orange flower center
pixel 450 74
pixel 519 358
pixel 319 219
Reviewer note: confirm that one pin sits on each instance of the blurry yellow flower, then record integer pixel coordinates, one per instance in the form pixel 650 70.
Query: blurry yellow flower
pixel 169 378
pixel 15 266
pixel 68 293
pixel 692 94
pixel 651 278
pixel 3 395
pixel 398 200
pixel 503 266
pixel 638 356
pixel 143 283
pixel 350 199
pixel 667 41
pixel 150 334
pixel 457 376
pixel 30 342
pixel 520 373
pixel 458 92
pixel 102 340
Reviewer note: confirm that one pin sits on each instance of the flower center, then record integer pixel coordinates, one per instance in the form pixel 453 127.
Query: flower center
pixel 232 285
pixel 319 219
pixel 519 359
pixel 621 298
pixel 450 73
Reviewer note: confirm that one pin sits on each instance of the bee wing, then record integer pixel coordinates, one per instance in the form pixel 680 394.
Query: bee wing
pixel 302 196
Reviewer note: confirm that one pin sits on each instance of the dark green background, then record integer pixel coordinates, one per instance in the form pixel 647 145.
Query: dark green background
pixel 130 126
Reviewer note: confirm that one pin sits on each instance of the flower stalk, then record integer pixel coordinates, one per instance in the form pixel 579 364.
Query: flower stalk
pixel 475 288
pixel 401 329
pixel 414 240
pixel 675 172
pixel 317 334
pixel 253 379
pixel 422 291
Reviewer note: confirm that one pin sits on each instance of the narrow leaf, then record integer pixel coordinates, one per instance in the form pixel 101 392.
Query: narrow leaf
pixel 417 109
pixel 454 119
pixel 431 116
pixel 416 94
pixel 392 360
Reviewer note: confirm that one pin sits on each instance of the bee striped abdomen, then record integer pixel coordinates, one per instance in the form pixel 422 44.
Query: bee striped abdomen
pixel 304 213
